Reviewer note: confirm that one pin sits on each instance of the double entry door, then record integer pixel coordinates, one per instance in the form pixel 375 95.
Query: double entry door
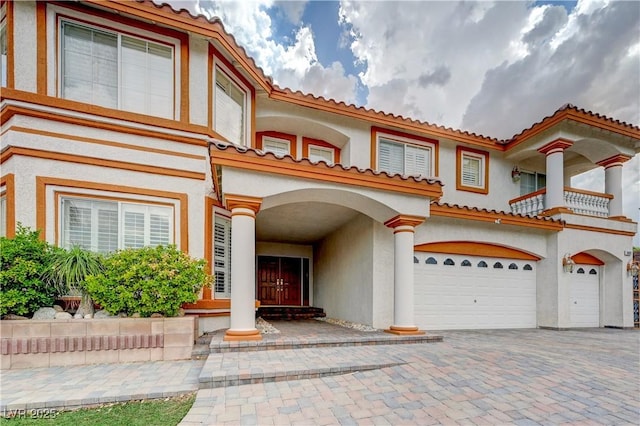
pixel 279 280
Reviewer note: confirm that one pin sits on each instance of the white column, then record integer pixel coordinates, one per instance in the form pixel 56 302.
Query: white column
pixel 243 271
pixel 403 317
pixel 555 174
pixel 613 186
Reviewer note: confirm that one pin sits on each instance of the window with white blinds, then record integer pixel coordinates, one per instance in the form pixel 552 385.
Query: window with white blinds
pixel 3 216
pixel 472 173
pixel 106 226
pixel 117 71
pixel 277 146
pixel 395 157
pixel 3 55
pixel 317 153
pixel 222 257
pixel 229 109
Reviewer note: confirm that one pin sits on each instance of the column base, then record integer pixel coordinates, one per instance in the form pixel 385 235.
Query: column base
pixel 404 331
pixel 242 335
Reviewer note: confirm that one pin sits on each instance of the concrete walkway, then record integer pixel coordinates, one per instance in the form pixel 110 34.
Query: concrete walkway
pixel 473 377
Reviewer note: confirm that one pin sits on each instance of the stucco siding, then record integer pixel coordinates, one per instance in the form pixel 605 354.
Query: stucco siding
pixel 343 267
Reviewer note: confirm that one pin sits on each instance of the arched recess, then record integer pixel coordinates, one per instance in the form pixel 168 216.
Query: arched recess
pixel 375 209
pixel 583 258
pixel 473 248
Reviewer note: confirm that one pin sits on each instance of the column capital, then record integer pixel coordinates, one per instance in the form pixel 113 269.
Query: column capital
pixel 558 145
pixel 404 220
pixel 615 160
pixel 234 201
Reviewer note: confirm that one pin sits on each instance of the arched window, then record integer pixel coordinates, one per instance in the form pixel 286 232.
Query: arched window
pixel 482 264
pixel 465 263
pixel 580 271
pixel 497 265
pixel 449 262
pixel 593 272
pixel 527 267
pixel 415 260
pixel 513 266
pixel 431 261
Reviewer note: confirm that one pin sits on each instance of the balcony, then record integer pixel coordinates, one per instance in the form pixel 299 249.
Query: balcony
pixel 577 200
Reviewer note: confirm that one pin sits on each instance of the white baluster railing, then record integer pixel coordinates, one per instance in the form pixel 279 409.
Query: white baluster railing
pixel 577 200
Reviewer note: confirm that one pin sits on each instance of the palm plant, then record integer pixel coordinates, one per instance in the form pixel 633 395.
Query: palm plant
pixel 68 270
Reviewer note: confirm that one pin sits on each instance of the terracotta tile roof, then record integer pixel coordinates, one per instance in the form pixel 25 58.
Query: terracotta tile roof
pixel 567 111
pixel 305 161
pixel 468 209
pixel 572 112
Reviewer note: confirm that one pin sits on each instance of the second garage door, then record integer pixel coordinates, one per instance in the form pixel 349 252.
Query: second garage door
pixel 584 299
pixel 471 292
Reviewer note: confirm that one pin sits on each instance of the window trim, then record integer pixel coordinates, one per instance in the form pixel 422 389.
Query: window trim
pixel 130 28
pixel 308 143
pixel 406 139
pixel 217 60
pixel 461 151
pixel 58 215
pixel 292 139
pixel 220 295
pixel 7 190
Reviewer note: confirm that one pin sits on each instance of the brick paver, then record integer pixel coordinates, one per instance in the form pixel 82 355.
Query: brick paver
pixel 522 377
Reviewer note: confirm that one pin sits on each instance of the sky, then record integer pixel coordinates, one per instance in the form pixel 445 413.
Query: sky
pixel 462 64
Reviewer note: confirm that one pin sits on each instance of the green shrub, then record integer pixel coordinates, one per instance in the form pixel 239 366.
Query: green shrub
pixel 23 260
pixel 147 280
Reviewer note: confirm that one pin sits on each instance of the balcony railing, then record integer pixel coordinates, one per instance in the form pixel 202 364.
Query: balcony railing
pixel 577 200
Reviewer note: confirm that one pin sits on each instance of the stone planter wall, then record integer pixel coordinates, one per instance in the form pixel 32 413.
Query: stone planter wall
pixel 48 343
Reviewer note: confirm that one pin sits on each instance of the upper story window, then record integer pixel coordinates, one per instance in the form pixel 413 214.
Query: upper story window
pixel 105 225
pixel 229 108
pixel 3 55
pixel 531 182
pixel 115 70
pixel 405 154
pixel 279 143
pixel 472 167
pixel 319 150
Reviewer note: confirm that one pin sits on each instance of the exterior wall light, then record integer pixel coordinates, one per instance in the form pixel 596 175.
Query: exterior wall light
pixel 568 263
pixel 633 268
pixel 515 174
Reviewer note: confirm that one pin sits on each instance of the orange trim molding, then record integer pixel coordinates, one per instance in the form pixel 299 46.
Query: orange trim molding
pixel 460 186
pixel 307 142
pixel 472 248
pixel 95 161
pixel 598 229
pixel 419 141
pixel 233 201
pixel 241 335
pixel 501 218
pixel 583 258
pixel 41 201
pixel 292 139
pixel 11 63
pixel 11 110
pixel 104 142
pixel 41 49
pixel 9 183
pixel 616 160
pixel 558 145
pixel 321 172
pixel 404 220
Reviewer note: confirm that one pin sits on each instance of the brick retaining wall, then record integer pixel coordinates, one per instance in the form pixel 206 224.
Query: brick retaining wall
pixel 42 343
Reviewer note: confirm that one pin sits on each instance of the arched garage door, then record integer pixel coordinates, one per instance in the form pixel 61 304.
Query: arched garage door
pixel 584 298
pixel 473 292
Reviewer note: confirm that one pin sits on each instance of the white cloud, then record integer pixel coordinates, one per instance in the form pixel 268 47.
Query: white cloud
pixel 294 66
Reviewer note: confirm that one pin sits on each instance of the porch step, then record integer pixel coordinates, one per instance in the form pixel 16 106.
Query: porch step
pixel 290 312
pixel 201 347
pixel 239 368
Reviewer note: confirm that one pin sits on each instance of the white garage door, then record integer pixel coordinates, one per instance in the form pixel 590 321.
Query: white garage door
pixel 584 298
pixel 470 292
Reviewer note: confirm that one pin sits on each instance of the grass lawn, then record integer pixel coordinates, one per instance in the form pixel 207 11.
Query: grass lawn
pixel 163 412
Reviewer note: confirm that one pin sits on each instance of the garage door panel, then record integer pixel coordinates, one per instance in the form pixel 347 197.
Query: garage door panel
pixel 467 297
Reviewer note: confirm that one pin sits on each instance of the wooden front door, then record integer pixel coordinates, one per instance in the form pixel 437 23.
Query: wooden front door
pixel 279 280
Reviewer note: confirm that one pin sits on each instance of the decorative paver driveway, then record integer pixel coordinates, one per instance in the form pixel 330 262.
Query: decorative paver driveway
pixel 474 377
